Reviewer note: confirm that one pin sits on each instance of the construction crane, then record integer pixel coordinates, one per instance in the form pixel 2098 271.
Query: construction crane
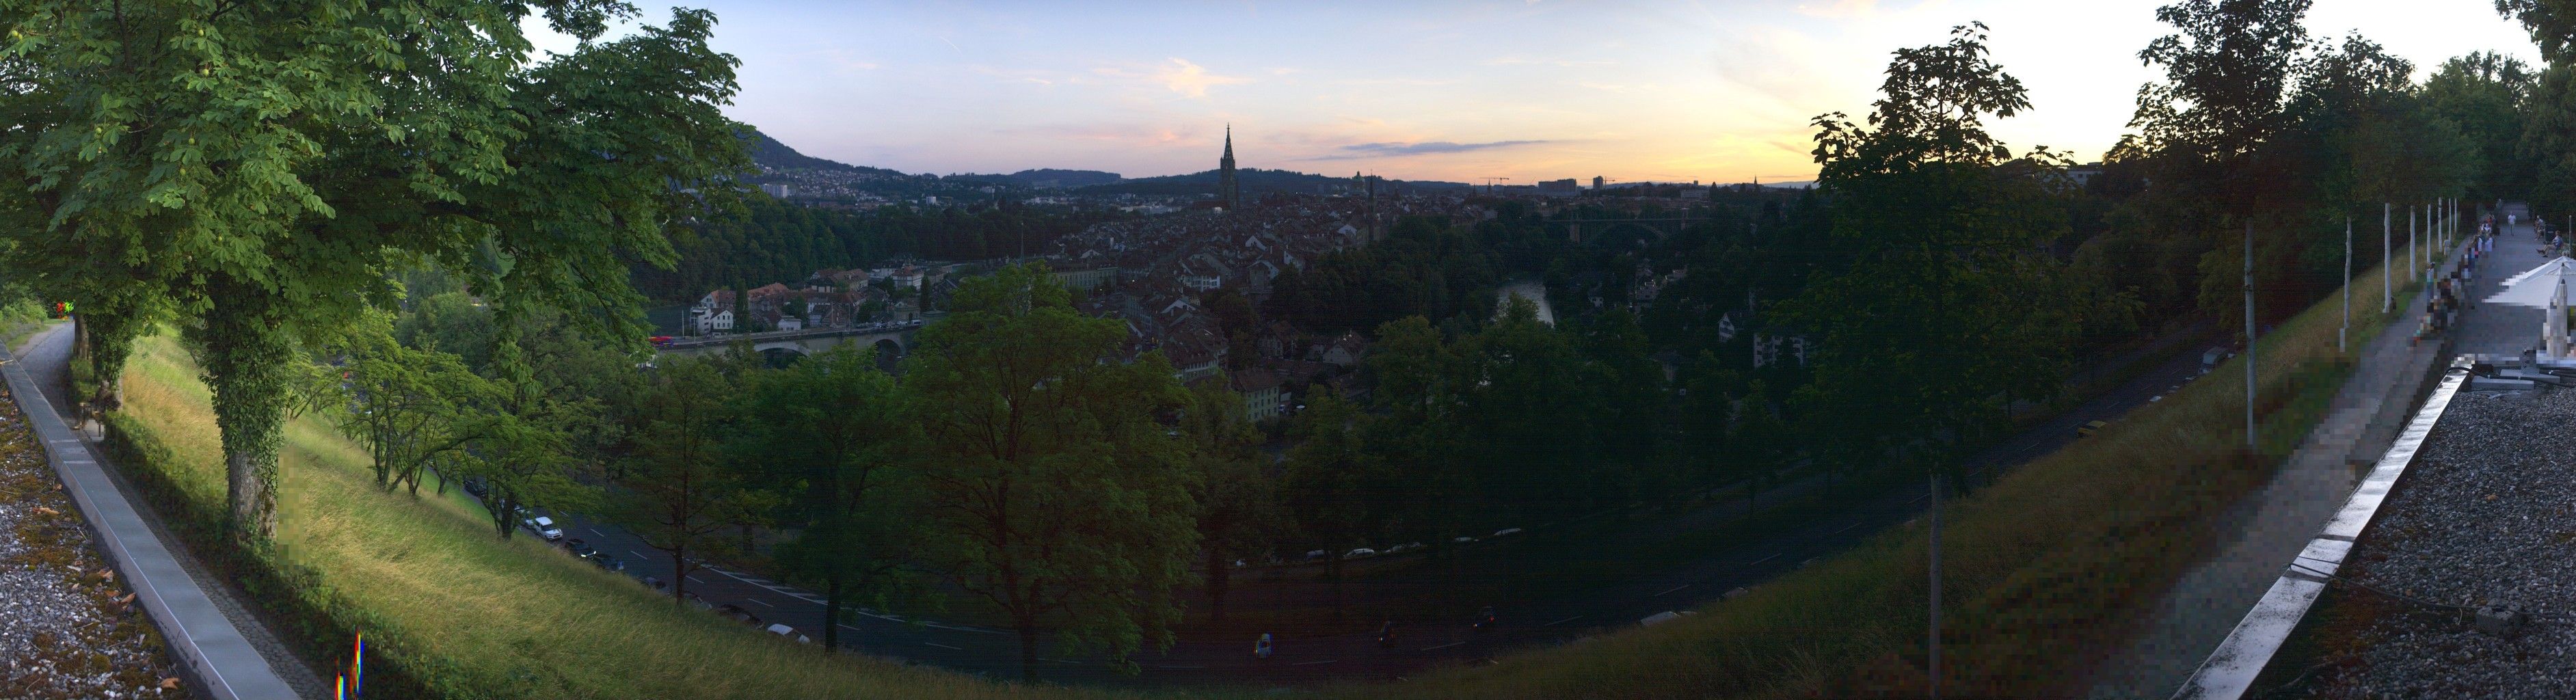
pixel 1489 183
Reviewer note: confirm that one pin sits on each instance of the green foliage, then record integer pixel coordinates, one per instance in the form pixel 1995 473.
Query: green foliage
pixel 264 167
pixel 1050 487
pixel 1946 306
pixel 830 433
pixel 409 407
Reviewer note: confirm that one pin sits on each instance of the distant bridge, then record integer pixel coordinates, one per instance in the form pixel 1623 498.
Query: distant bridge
pixel 894 338
pixel 1664 227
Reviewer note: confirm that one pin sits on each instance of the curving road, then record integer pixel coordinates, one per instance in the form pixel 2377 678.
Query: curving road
pixel 1358 656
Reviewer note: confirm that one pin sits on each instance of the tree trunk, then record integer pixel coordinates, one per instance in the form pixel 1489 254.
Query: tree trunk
pixel 246 352
pixel 832 612
pixel 1028 647
pixel 1217 578
pixel 679 574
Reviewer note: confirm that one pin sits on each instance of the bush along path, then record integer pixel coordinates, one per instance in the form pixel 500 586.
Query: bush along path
pixel 68 626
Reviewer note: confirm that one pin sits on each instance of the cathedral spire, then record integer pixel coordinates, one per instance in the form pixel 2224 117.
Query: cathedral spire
pixel 1228 192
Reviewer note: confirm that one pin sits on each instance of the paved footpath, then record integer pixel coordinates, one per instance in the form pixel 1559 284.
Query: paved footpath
pixel 2269 527
pixel 204 641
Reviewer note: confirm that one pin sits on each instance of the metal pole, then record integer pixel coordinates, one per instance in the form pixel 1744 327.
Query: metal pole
pixel 2346 330
pixel 2249 337
pixel 1936 584
pixel 2387 287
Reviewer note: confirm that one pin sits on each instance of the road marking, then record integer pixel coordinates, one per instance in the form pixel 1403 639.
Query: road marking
pixel 1774 555
pixel 1919 499
pixel 762 602
pixel 1560 622
pixel 692 578
pixel 944 646
pixel 1846 528
pixel 1443 646
pixel 638 555
pixel 1311 663
pixel 1669 590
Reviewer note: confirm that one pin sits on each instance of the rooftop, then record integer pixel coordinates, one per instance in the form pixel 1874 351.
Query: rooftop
pixel 2484 519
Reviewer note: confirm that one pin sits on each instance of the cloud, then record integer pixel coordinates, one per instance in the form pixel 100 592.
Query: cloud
pixel 1192 79
pixel 1839 9
pixel 1562 63
pixel 1385 149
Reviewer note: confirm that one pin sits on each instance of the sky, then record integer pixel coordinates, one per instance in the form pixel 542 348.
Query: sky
pixel 1528 90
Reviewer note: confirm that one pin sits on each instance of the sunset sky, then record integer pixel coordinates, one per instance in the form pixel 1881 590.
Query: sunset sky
pixel 1459 91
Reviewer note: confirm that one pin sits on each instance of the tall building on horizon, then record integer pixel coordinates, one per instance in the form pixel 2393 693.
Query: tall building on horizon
pixel 1229 194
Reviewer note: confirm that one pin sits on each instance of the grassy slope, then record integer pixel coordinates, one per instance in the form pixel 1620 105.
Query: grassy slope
pixel 2041 569
pixel 493 618
pixel 2042 572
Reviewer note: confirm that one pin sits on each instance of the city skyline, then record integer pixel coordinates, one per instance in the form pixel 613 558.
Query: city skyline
pixel 1514 91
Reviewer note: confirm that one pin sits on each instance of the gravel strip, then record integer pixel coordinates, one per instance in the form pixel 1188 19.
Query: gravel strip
pixel 2486 517
pixel 68 627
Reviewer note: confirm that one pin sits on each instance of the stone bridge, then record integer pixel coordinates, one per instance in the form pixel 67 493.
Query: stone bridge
pixel 891 340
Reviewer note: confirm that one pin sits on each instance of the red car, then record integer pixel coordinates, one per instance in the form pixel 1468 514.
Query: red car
pixel 660 340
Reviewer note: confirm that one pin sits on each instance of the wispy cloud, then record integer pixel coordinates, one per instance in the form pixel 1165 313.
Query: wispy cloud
pixel 1386 149
pixel 1191 79
pixel 1559 62
pixel 1839 9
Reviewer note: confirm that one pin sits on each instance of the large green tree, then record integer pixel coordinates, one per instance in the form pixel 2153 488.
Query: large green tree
pixel 830 429
pixel 265 165
pixel 1051 488
pixel 1947 303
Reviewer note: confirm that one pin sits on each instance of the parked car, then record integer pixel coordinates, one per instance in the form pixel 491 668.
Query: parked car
pixel 545 527
pixel 1261 649
pixel 2088 429
pixel 1507 532
pixel 2210 359
pixel 788 632
pixel 1485 619
pixel 474 485
pixel 1463 539
pixel 737 614
pixel 606 563
pixel 1317 555
pixel 1358 553
pixel 1662 617
pixel 579 548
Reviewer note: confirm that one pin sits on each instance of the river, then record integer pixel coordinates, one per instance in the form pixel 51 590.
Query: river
pixel 1526 289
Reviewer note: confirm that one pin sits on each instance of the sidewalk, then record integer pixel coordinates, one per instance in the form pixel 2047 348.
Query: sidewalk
pixel 202 639
pixel 2273 524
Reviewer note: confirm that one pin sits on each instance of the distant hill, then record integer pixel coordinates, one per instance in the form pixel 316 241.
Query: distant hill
pixel 1255 182
pixel 769 152
pixel 1051 177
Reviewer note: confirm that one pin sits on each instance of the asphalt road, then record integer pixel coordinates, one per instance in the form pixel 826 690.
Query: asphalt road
pixel 1358 656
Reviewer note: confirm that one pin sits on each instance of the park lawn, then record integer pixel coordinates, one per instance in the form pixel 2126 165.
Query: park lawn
pixel 470 615
pixel 2045 572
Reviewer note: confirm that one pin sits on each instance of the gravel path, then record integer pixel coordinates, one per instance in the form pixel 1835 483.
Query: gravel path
pixel 68 628
pixel 2483 518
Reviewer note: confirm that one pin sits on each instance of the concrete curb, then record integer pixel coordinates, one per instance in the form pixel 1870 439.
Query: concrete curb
pixel 2230 670
pixel 209 649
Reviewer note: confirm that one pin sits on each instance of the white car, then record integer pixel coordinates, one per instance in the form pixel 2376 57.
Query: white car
pixel 788 632
pixel 544 527
pixel 1358 553
pixel 1507 532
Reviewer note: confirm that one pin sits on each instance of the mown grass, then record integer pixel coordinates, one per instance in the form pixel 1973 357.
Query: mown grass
pixel 471 616
pixel 2044 572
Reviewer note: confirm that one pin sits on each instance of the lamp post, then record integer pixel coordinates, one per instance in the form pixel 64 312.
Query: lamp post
pixel 2341 334
pixel 2387 284
pixel 2249 338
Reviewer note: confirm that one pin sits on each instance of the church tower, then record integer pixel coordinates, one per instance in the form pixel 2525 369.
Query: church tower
pixel 1229 194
